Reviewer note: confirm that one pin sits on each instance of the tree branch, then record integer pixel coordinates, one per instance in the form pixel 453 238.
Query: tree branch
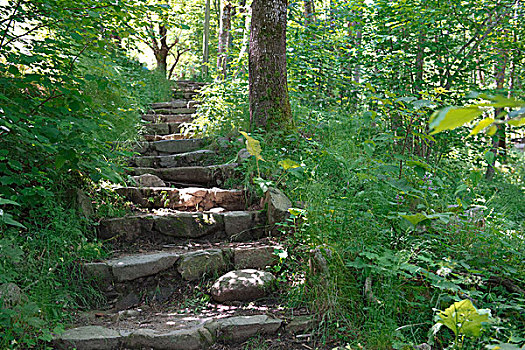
pixel 19 2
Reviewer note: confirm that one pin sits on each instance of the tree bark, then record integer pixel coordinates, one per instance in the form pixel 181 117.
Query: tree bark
pixel 309 11
pixel 269 102
pixel 224 38
pixel 206 40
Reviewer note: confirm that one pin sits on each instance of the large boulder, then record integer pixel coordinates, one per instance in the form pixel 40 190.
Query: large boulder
pixel 242 285
pixel 278 205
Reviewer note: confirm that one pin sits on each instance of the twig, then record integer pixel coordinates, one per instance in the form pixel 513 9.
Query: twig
pixel 10 21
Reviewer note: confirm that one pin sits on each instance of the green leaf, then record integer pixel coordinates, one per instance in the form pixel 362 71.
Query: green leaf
pixel 517 121
pixel 415 219
pixel 481 125
pixel 289 164
pixel 463 318
pixel 4 201
pixel 253 146
pixel 452 117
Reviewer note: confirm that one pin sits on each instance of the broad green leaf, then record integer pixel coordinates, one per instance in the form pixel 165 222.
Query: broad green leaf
pixel 517 121
pixel 463 318
pixel 253 146
pixel 289 164
pixel 452 117
pixel 481 125
pixel 415 219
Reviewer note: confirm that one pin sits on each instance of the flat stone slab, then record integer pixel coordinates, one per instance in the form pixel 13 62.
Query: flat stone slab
pixel 175 146
pixel 236 225
pixel 89 338
pixel 176 136
pixel 196 265
pixel 174 110
pixel 135 266
pixel 195 338
pixel 258 257
pixel 242 285
pixel 238 329
pixel 173 104
pixel 162 128
pixel 190 198
pixel 213 174
pixel 188 265
pixel 167 118
pixel 195 158
pixel 149 180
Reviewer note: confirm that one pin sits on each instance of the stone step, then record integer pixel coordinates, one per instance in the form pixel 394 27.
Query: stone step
pixel 190 198
pixel 181 103
pixel 188 263
pixel 211 175
pixel 167 118
pixel 176 136
pixel 169 111
pixel 167 147
pixel 177 226
pixel 171 330
pixel 162 128
pixel 200 157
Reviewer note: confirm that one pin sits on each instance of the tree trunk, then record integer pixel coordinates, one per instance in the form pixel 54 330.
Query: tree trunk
pixel 162 53
pixel 224 39
pixel 309 10
pixel 206 40
pixel 269 103
pixel 499 144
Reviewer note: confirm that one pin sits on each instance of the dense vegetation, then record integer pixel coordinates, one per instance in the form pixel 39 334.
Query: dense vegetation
pixel 392 222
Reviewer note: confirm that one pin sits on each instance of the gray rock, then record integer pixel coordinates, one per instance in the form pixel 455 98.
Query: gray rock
pixel 129 301
pixel 238 223
pixel 185 339
pixel 100 273
pixel 89 338
pixel 242 285
pixel 243 155
pixel 149 180
pixel 240 328
pixel 134 266
pixel 195 265
pixel 128 227
pixel 10 294
pixel 301 324
pixel 189 225
pixel 84 204
pixel 278 205
pixel 177 146
pixel 254 257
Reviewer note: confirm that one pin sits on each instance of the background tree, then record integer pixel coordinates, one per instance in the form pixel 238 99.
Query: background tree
pixel 269 102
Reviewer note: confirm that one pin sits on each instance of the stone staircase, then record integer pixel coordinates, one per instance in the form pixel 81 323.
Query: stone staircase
pixel 191 267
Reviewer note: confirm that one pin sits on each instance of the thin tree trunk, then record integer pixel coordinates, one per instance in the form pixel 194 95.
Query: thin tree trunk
pixel 499 139
pixel 309 11
pixel 224 38
pixel 206 40
pixel 269 102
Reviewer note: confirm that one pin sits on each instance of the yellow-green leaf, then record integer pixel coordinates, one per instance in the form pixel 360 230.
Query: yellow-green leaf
pixel 481 125
pixel 452 117
pixel 463 318
pixel 253 146
pixel 289 164
pixel 517 121
pixel 492 130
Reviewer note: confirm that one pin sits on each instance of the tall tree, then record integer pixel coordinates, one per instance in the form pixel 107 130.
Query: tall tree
pixel 269 102
pixel 224 37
